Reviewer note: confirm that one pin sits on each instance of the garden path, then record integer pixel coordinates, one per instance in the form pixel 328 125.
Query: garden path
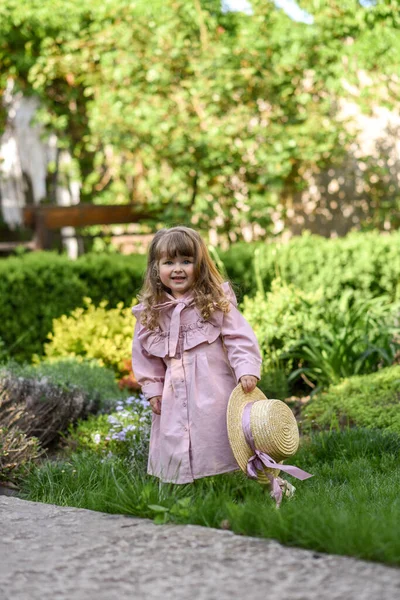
pixel 51 552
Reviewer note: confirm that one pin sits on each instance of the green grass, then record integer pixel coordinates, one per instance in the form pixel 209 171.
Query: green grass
pixel 351 506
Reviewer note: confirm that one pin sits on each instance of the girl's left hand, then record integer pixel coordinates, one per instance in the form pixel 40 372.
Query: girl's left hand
pixel 248 382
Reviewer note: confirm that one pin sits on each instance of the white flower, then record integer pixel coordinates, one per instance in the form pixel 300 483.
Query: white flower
pixel 97 438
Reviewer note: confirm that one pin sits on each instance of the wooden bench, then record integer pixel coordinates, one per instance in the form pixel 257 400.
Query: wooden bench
pixel 45 218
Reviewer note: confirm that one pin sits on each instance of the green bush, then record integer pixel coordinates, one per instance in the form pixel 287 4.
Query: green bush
pixel 97 382
pixel 274 383
pixel 38 287
pixel 3 351
pixel 370 401
pixel 280 318
pixel 95 332
pixel 34 289
pixel 324 339
pixel 367 262
pixel 42 286
pixel 115 278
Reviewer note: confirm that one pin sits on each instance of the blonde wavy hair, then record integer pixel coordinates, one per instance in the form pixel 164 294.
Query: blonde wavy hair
pixel 207 292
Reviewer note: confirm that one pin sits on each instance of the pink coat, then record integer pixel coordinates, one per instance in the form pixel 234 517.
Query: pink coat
pixel 194 364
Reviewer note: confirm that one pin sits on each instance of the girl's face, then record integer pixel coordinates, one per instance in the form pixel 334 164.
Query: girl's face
pixel 177 273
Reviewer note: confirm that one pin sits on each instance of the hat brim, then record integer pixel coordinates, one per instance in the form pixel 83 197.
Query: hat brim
pixel 240 448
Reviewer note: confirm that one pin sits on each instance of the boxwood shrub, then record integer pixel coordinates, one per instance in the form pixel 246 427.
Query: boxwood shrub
pixel 41 286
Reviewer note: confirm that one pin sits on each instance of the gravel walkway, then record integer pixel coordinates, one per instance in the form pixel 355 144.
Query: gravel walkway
pixel 50 552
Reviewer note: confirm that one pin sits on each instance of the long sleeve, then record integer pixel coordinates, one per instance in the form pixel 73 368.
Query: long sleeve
pixel 240 341
pixel 149 370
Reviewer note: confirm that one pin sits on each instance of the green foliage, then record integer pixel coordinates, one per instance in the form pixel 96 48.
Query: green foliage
pixel 305 333
pixel 115 278
pixel 33 292
pixel 3 351
pixel 33 287
pixel 188 110
pixel 358 337
pixel 41 286
pixel 274 382
pixel 124 433
pixel 95 380
pixel 370 401
pixel 239 265
pixel 368 262
pixel 280 318
pixel 91 332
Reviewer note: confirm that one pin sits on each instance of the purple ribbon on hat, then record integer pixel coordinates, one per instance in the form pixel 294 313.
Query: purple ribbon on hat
pixel 260 458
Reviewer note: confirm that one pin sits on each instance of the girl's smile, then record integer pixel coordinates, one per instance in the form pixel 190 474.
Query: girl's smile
pixel 177 274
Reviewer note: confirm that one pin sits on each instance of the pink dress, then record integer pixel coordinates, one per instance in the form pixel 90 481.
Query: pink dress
pixel 194 364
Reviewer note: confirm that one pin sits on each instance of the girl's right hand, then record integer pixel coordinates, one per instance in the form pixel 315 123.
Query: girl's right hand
pixel 155 403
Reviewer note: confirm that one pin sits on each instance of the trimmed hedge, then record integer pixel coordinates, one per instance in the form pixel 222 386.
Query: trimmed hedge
pixel 41 286
pixel 370 401
pixel 368 262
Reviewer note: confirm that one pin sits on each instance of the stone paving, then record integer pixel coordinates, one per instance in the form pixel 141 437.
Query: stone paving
pixel 51 552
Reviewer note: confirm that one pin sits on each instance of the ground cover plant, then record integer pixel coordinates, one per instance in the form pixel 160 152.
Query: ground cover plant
pixel 369 401
pixel 351 505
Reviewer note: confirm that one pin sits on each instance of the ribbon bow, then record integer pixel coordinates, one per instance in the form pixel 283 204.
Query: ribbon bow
pixel 175 323
pixel 261 459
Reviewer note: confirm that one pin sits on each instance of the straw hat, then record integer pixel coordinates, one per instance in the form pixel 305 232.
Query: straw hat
pixel 273 428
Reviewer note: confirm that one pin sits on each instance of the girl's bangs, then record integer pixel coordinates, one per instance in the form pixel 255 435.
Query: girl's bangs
pixel 174 244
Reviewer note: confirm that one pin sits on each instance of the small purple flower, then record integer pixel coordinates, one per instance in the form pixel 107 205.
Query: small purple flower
pixel 120 436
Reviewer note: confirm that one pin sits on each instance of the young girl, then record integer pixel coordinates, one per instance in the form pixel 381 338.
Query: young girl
pixel 191 347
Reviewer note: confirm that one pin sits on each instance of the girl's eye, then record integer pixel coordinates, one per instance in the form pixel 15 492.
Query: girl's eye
pixel 168 262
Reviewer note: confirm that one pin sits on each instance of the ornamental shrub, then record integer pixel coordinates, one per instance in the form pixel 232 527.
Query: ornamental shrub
pixel 96 382
pixel 280 318
pixel 41 286
pixel 94 332
pixel 324 339
pixel 366 262
pixel 34 289
pixel 371 401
